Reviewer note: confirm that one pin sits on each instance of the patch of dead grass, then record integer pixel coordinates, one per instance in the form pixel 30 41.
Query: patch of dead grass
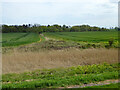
pixel 27 61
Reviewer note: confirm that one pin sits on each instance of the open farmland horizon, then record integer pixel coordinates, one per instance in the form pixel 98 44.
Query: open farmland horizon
pixel 59 44
pixel 33 60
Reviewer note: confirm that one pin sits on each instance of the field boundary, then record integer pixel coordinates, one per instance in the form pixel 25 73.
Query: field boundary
pixel 40 38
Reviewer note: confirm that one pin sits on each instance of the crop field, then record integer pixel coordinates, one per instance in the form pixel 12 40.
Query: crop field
pixel 15 39
pixel 94 37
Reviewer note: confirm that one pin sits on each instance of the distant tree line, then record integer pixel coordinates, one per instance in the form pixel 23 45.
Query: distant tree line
pixel 50 28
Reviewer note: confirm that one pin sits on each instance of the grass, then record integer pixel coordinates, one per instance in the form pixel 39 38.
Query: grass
pixel 61 77
pixel 20 61
pixel 86 37
pixel 112 85
pixel 79 39
pixel 16 39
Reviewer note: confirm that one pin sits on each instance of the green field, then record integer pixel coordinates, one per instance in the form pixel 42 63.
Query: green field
pixel 15 39
pixel 85 36
pixel 61 77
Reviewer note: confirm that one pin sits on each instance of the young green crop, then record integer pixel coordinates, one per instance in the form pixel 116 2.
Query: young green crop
pixel 15 39
pixel 84 36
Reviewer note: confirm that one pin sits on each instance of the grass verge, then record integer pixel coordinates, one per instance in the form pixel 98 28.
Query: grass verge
pixel 61 77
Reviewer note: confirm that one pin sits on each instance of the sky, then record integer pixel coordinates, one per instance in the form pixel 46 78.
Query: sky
pixel 102 13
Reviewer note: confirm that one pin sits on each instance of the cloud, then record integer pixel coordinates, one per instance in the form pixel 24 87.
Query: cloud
pixel 93 12
pixel 113 1
pixel 58 1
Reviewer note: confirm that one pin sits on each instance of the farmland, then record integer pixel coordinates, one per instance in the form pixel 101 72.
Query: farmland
pixel 59 59
pixel 83 38
pixel 15 39
pixel 87 39
pixel 94 37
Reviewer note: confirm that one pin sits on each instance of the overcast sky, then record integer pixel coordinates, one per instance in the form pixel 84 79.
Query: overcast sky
pixel 103 13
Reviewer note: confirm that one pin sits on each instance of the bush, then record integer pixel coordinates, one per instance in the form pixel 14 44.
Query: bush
pixel 111 42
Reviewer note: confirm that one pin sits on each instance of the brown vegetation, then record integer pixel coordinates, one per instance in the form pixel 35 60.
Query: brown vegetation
pixel 27 61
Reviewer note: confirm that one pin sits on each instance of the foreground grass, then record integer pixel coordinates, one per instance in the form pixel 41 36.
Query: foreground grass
pixel 15 39
pixel 61 77
pixel 112 85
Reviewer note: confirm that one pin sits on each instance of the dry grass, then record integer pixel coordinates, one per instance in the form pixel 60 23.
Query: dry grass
pixel 27 61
